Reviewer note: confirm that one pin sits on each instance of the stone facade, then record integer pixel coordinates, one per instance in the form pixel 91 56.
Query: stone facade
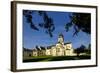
pixel 27 53
pixel 59 49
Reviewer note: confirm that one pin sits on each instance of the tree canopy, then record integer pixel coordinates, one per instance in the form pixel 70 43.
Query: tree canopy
pixel 47 21
pixel 80 49
pixel 80 22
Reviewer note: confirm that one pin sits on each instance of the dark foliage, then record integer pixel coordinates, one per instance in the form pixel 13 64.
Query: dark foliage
pixel 79 50
pixel 47 21
pixel 28 15
pixel 80 22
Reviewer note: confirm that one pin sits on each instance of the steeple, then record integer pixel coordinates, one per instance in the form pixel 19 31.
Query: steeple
pixel 61 38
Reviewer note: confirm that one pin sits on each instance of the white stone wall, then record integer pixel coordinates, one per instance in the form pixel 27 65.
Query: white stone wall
pixel 35 53
pixel 48 52
pixel 27 54
pixel 53 51
pixel 58 50
pixel 69 50
pixel 68 46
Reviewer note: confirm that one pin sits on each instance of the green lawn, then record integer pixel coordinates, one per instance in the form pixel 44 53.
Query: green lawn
pixel 54 58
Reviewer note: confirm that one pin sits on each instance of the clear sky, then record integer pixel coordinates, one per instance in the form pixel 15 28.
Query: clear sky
pixel 31 37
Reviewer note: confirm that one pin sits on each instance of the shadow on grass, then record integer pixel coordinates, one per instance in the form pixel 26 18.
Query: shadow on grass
pixel 34 59
pixel 56 58
pixel 61 58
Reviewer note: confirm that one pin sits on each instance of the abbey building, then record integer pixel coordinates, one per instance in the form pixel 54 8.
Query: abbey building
pixel 59 49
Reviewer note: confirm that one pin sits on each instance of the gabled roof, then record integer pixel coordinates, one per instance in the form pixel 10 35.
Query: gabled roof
pixel 67 43
pixel 38 48
pixel 61 35
pixel 34 50
pixel 49 47
pixel 26 49
pixel 42 48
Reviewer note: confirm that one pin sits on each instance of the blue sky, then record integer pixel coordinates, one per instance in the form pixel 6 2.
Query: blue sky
pixel 31 37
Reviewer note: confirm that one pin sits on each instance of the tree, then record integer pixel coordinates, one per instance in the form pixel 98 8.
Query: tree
pixel 79 50
pixel 80 22
pixel 88 50
pixel 47 21
pixel 89 46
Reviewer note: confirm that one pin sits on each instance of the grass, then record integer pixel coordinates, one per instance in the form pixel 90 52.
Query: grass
pixel 54 58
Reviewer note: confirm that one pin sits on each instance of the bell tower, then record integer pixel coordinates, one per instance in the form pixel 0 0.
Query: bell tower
pixel 61 39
